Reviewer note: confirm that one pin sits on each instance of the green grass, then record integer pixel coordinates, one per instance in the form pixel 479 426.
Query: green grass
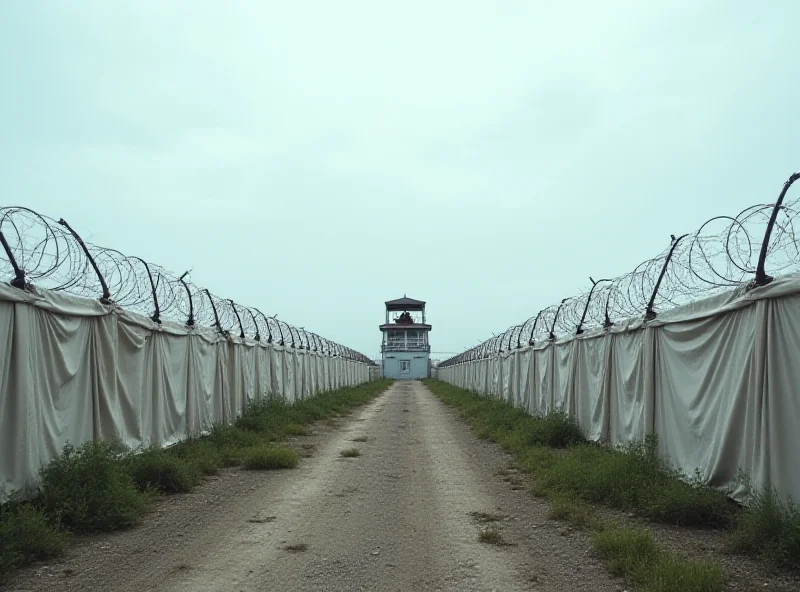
pixel 100 487
pixel 633 479
pixel 574 475
pixel 574 511
pixel 295 429
pixel 770 528
pixel 634 555
pixel 512 428
pixel 266 457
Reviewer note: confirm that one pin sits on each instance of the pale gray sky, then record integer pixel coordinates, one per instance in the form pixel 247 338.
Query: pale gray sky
pixel 318 158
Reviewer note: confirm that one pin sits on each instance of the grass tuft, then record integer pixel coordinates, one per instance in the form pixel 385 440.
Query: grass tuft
pixel 350 453
pixel 574 511
pixel 297 547
pixel 295 429
pixel 267 457
pixel 634 555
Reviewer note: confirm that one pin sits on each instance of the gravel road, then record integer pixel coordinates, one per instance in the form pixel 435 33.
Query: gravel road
pixel 404 516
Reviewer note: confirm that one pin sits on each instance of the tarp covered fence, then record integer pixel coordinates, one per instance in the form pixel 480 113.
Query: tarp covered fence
pixel 717 380
pixel 73 369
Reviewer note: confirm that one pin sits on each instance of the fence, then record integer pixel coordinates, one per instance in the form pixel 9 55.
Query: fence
pixel 150 360
pixel 698 345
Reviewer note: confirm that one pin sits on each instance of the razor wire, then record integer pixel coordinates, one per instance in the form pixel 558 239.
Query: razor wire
pixel 724 253
pixel 42 253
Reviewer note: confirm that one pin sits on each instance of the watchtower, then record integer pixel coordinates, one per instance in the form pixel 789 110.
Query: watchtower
pixel 405 349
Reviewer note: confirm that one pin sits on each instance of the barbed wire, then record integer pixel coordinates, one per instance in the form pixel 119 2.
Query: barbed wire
pixel 41 253
pixel 723 254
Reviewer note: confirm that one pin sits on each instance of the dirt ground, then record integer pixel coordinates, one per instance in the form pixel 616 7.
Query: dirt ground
pixel 401 516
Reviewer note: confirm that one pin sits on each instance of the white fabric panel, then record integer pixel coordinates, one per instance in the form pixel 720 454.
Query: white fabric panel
pixel 278 372
pixel 543 395
pixel 779 415
pixel 563 376
pixel 507 379
pixel 289 386
pixel 702 401
pixel 590 392
pixel 628 388
pixel 526 379
pixel 95 371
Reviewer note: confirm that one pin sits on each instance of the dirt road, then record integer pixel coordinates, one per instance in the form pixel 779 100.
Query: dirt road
pixel 404 515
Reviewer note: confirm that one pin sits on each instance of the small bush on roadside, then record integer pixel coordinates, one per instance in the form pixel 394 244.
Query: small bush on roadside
pixel 201 455
pixel 770 528
pixel 231 437
pixel 555 429
pixel 88 489
pixel 26 535
pixel 155 468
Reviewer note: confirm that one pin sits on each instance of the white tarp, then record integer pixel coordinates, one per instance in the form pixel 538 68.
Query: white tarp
pixel 72 369
pixel 716 380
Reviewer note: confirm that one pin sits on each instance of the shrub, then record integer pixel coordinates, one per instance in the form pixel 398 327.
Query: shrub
pixel 201 456
pixel 25 536
pixel 155 468
pixel 88 489
pixel 770 528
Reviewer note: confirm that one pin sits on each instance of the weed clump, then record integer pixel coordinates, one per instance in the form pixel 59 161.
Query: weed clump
pixel 634 555
pixel 268 457
pixel 26 535
pixel 88 489
pixel 769 528
pixel 157 469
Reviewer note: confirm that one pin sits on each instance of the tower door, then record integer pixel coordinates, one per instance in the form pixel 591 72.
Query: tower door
pixel 405 366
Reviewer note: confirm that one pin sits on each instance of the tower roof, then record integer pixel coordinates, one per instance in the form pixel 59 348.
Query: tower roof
pixel 405 303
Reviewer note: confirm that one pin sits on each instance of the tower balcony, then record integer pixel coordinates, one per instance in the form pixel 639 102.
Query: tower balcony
pixel 418 345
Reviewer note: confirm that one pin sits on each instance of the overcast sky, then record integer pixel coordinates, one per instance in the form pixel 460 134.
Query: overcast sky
pixel 318 158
